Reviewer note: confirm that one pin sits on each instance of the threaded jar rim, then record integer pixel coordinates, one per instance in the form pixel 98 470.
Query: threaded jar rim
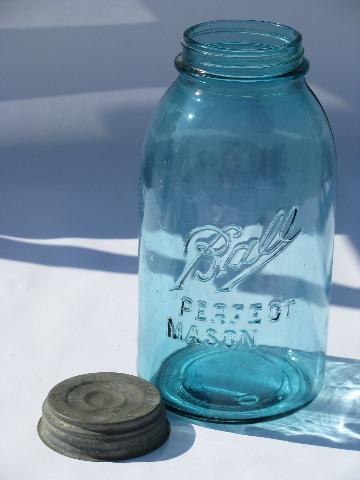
pixel 249 49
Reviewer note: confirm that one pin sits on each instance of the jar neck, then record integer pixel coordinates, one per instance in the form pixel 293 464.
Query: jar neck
pixel 242 50
pixel 242 88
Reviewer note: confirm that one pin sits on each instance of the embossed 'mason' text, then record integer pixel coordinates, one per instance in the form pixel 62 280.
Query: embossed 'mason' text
pixel 219 324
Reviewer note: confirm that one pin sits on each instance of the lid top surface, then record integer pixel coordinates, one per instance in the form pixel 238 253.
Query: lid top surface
pixel 103 398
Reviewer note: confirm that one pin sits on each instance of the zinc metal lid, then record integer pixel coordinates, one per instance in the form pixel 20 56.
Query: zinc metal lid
pixel 103 416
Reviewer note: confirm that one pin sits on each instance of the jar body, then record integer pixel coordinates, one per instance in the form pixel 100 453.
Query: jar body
pixel 237 225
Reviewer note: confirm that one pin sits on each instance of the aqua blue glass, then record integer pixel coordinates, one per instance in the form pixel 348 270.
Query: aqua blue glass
pixel 237 226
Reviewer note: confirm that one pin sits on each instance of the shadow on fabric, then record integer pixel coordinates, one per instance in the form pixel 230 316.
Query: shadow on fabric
pixel 331 420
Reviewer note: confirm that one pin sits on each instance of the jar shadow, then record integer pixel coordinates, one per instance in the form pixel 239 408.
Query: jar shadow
pixel 331 420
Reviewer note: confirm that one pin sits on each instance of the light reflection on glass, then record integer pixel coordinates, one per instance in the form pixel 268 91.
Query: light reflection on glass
pixel 331 420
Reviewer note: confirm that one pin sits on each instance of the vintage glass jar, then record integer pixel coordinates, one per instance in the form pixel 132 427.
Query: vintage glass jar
pixel 237 225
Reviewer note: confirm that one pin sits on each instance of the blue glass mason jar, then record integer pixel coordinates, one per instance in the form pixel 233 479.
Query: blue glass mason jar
pixel 237 226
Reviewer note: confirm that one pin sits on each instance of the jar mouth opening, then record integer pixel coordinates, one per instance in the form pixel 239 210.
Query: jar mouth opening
pixel 241 48
pixel 241 38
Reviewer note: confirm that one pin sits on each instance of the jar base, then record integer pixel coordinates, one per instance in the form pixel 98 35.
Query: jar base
pixel 248 384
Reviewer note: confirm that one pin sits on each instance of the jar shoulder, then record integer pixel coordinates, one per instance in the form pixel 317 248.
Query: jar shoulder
pixel 190 109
